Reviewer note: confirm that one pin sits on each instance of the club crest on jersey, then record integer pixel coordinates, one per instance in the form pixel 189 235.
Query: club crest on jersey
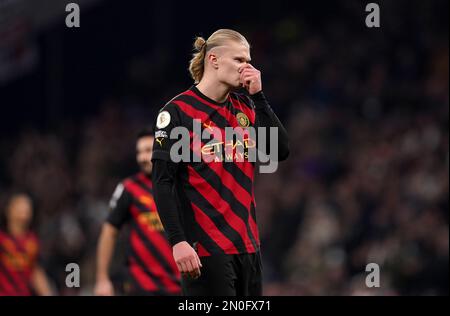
pixel 243 120
pixel 163 119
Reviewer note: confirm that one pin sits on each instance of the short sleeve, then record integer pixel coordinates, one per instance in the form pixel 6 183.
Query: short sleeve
pixel 119 207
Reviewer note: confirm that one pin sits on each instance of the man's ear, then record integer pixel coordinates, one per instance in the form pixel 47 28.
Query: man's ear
pixel 213 60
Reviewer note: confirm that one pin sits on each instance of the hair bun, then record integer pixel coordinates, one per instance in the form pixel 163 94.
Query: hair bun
pixel 199 43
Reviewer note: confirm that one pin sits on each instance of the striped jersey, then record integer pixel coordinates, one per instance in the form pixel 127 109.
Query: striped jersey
pixel 215 195
pixel 151 267
pixel 18 258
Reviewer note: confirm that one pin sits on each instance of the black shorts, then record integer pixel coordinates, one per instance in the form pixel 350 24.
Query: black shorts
pixel 227 275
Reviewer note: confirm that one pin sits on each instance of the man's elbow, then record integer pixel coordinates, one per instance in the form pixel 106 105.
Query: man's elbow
pixel 109 230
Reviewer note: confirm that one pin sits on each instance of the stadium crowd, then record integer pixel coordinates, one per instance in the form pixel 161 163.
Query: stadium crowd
pixel 366 181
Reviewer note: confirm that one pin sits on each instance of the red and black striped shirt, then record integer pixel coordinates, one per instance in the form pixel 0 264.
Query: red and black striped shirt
pixel 18 258
pixel 151 266
pixel 215 199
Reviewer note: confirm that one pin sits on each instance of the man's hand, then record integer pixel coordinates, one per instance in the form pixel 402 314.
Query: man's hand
pixel 187 260
pixel 250 79
pixel 104 288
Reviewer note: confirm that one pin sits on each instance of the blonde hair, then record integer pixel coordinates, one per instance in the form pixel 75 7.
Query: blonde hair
pixel 202 46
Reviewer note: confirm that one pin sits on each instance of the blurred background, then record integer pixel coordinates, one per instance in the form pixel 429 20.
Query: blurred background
pixel 367 110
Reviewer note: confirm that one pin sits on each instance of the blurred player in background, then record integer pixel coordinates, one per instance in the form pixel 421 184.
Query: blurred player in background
pixel 213 214
pixel 151 268
pixel 20 272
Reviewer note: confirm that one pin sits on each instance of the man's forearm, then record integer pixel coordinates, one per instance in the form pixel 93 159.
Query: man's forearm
pixel 267 118
pixel 105 250
pixel 40 282
pixel 163 180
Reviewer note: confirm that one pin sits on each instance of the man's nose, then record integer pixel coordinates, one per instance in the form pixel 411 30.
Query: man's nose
pixel 245 64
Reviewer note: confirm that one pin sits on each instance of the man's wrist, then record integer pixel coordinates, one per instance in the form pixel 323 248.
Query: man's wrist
pixel 259 100
pixel 176 239
pixel 258 96
pixel 101 277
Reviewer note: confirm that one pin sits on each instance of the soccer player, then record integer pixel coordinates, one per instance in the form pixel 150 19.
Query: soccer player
pixel 20 272
pixel 208 207
pixel 151 268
